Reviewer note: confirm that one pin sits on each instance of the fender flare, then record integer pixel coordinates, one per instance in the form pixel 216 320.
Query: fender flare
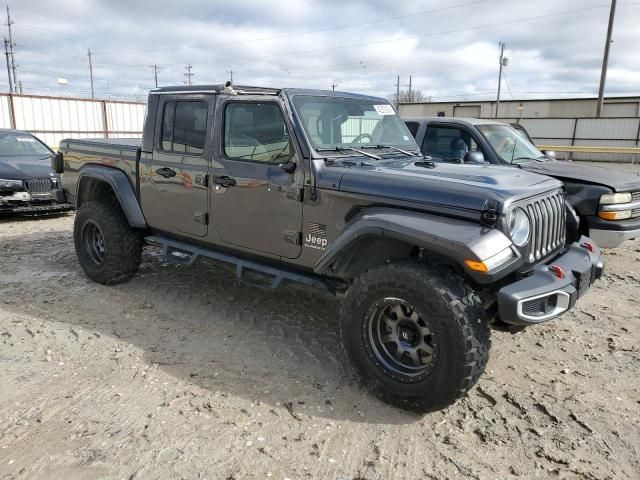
pixel 119 183
pixel 456 239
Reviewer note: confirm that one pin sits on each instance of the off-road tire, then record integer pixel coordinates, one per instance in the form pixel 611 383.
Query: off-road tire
pixel 455 315
pixel 122 244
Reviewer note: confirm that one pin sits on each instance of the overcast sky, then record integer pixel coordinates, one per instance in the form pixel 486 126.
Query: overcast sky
pixel 450 48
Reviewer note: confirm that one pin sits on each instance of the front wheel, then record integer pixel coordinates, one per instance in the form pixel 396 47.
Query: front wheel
pixel 417 336
pixel 108 249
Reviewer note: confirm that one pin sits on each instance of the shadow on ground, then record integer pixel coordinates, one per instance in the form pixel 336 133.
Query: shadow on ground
pixel 201 326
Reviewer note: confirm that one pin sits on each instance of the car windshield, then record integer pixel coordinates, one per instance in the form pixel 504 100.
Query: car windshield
pixel 510 144
pixel 21 144
pixel 343 123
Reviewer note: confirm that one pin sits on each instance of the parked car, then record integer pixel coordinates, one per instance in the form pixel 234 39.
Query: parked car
pixel 329 189
pixel 607 201
pixel 28 183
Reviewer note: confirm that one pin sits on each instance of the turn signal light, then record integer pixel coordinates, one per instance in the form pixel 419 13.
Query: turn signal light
pixel 476 266
pixel 619 215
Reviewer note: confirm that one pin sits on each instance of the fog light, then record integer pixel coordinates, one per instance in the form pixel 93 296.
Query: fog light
pixel 550 303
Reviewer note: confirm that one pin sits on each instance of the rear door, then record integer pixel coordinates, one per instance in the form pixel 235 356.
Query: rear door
pixel 256 203
pixel 173 180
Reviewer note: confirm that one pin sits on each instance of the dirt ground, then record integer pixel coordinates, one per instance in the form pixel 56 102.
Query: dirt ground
pixel 182 373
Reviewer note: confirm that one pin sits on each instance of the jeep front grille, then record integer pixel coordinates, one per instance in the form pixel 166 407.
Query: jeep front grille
pixel 548 225
pixel 39 185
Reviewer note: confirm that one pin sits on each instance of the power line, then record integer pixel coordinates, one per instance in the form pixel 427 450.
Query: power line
pixel 409 37
pixel 273 37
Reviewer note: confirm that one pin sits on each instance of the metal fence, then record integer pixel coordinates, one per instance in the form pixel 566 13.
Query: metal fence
pixel 55 118
pixel 596 132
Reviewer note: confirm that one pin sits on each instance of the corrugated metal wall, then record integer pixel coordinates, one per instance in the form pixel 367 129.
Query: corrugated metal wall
pixel 596 132
pixel 55 118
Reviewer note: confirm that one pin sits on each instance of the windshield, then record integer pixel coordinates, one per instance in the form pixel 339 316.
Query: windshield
pixel 19 144
pixel 335 123
pixel 510 144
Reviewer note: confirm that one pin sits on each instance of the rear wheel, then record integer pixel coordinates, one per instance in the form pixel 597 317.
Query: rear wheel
pixel 108 249
pixel 418 337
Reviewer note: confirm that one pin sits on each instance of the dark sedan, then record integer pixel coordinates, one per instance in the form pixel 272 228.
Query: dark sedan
pixel 27 182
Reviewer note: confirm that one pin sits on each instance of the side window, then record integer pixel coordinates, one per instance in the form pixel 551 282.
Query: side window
pixel 256 132
pixel 413 128
pixel 448 143
pixel 184 127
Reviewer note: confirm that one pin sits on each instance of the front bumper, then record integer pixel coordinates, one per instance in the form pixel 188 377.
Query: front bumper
pixel 546 294
pixel 611 233
pixel 23 202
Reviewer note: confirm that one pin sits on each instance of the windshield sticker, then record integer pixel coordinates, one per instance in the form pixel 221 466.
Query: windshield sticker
pixel 405 138
pixel 384 109
pixel 26 139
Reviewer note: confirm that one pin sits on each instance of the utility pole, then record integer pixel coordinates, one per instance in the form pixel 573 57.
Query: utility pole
pixel 398 94
pixel 6 54
pixel 156 69
pixel 11 44
pixel 605 60
pixel 188 75
pixel 90 71
pixel 500 77
pixel 333 86
pixel 230 72
pixel 410 97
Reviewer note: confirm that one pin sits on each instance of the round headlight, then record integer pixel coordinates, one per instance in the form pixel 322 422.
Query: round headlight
pixel 519 227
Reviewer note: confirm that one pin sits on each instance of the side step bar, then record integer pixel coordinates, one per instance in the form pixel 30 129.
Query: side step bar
pixel 186 254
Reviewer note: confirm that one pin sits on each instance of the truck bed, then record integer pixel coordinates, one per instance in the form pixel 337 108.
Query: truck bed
pixel 118 153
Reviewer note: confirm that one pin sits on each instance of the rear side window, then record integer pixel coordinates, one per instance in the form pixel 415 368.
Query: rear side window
pixel 184 127
pixel 256 132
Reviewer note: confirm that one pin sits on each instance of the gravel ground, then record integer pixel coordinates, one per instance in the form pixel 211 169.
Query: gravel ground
pixel 182 373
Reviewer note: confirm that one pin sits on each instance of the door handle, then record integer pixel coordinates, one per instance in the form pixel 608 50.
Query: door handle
pixel 225 181
pixel 166 172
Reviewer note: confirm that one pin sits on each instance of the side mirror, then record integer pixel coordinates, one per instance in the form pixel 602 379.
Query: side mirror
pixel 288 167
pixel 57 162
pixel 549 153
pixel 474 157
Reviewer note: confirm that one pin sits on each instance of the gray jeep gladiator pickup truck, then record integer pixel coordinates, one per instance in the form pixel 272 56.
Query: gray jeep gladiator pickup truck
pixel 330 190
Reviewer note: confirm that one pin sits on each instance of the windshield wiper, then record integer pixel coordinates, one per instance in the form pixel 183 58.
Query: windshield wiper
pixel 380 147
pixel 347 149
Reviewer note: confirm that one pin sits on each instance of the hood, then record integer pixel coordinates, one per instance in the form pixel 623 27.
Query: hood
pixel 25 167
pixel 467 187
pixel 617 181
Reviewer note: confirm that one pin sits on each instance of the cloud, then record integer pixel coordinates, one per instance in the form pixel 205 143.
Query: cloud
pixel 358 45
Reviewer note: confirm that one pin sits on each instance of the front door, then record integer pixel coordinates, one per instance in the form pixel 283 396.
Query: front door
pixel 256 203
pixel 173 179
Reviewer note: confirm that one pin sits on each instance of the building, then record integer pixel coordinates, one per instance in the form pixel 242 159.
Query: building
pixel 515 109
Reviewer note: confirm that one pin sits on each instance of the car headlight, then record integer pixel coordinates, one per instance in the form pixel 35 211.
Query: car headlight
pixel 7 184
pixel 615 198
pixel 613 206
pixel 519 227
